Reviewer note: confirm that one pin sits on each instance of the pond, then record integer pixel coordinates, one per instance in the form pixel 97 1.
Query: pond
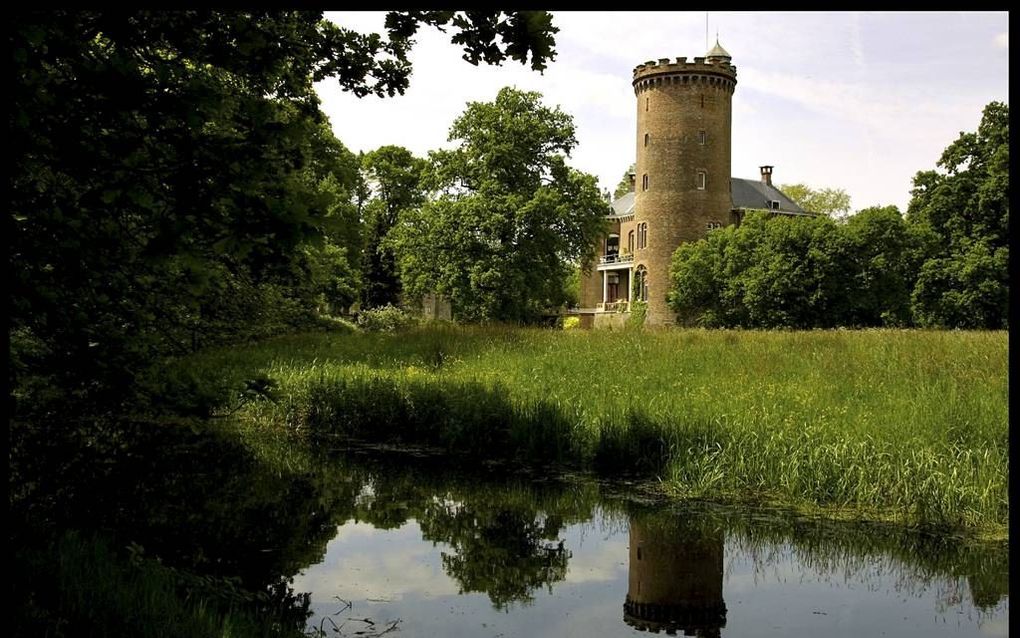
pixel 372 541
pixel 431 552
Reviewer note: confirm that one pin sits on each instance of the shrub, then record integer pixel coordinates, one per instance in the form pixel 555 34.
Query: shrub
pixel 389 318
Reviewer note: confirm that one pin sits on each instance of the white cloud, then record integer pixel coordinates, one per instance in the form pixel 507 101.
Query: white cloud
pixel 364 563
pixel 886 92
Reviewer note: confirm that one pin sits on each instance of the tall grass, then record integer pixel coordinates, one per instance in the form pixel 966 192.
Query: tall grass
pixel 903 424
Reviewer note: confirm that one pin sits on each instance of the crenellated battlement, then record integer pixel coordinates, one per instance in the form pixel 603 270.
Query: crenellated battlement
pixel 721 75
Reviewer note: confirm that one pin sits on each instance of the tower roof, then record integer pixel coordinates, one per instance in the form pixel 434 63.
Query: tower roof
pixel 717 51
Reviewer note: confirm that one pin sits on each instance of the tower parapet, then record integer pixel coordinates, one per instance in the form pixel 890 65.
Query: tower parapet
pixel 721 75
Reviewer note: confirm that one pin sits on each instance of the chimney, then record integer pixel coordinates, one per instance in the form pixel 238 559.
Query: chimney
pixel 766 175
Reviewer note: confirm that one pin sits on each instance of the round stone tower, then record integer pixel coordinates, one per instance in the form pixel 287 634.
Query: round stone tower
pixel 682 177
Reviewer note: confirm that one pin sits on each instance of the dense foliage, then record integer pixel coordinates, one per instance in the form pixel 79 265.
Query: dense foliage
pixel 174 183
pixel 775 272
pixel 964 209
pixel 834 202
pixel 508 217
pixel 394 176
pixel 944 265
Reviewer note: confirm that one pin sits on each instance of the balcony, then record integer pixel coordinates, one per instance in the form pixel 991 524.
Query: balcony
pixel 616 258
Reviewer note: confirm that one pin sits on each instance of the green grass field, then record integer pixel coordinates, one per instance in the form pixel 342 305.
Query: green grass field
pixel 892 424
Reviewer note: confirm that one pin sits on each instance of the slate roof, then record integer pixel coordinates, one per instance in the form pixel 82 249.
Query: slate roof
pixel 753 193
pixel 745 193
pixel 624 205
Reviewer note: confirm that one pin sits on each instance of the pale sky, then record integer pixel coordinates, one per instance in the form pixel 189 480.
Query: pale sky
pixel 858 101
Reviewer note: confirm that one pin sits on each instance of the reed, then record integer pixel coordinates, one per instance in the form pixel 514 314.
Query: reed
pixel 904 424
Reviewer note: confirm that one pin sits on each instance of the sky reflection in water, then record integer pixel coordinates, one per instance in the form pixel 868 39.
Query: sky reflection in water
pixel 510 559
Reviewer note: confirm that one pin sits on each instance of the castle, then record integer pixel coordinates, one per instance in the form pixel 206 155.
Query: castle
pixel 681 188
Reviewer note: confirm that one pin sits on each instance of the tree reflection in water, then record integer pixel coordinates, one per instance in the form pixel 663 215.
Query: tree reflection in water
pixel 210 506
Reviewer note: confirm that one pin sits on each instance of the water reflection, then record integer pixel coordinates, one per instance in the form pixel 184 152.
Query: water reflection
pixel 675 580
pixel 505 545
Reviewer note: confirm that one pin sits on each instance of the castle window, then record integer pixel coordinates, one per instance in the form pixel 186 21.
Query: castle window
pixel 641 284
pixel 646 104
pixel 702 178
pixel 702 137
pixel 642 235
pixel 646 139
pixel 713 225
pixel 644 182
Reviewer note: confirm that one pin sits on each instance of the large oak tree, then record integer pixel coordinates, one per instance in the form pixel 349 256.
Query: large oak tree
pixel 508 218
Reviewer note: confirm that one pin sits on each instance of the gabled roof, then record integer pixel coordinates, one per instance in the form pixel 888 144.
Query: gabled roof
pixel 624 205
pixel 753 193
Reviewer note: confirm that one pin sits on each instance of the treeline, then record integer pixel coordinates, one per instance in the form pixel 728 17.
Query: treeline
pixel 944 264
pixel 175 185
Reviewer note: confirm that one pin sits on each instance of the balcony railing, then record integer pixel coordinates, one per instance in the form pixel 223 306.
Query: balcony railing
pixel 616 259
pixel 613 306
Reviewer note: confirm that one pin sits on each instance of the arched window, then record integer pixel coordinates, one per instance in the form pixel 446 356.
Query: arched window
pixel 642 235
pixel 641 284
pixel 702 137
pixel 644 182
pixel 646 139
pixel 630 241
pixel 702 180
pixel 712 225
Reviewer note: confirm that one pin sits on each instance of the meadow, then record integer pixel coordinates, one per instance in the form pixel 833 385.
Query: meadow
pixel 904 425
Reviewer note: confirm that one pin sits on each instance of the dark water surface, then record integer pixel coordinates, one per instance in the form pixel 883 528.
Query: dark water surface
pixel 374 542
pixel 430 552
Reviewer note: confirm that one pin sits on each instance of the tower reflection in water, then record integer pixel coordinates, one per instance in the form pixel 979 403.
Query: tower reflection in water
pixel 676 578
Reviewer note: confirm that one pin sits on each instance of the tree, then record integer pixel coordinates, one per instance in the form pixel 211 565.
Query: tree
pixel 169 166
pixel 508 216
pixel 626 183
pixel 773 272
pixel 834 202
pixel 395 175
pixel 881 258
pixel 964 211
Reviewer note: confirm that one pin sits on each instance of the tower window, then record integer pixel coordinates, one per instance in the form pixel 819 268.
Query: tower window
pixel 642 235
pixel 644 182
pixel 646 139
pixel 702 137
pixel 641 284
pixel 702 178
pixel 630 241
pixel 646 104
pixel 702 101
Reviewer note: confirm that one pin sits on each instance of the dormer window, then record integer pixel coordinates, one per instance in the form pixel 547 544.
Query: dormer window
pixel 774 204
